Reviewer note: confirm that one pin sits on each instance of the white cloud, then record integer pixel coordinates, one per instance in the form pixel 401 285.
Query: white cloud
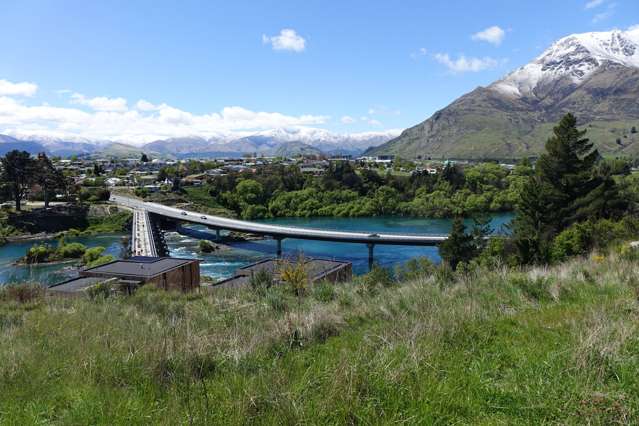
pixel 464 64
pixel 594 3
pixel 493 35
pixel 287 39
pixel 110 119
pixel 144 105
pixel 421 52
pixel 347 119
pixel 100 103
pixel 24 88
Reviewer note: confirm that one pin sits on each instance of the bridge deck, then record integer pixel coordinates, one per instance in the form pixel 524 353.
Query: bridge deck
pixel 279 231
pixel 142 242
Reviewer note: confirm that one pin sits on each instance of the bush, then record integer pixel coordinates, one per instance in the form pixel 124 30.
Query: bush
pixel 141 192
pixel 70 251
pixel 324 291
pixel 92 254
pixel 276 301
pixel 295 276
pixel 100 261
pixel 376 278
pixel 261 280
pixel 39 253
pixel 206 246
pixel 415 268
pixel 21 293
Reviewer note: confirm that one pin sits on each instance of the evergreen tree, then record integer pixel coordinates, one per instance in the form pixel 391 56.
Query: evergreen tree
pixel 459 246
pixel 17 173
pixel 566 188
pixel 48 177
pixel 144 158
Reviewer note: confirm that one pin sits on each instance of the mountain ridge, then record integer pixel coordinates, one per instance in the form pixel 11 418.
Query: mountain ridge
pixel 592 75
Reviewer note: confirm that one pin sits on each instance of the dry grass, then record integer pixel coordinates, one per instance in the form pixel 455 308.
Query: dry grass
pixel 538 345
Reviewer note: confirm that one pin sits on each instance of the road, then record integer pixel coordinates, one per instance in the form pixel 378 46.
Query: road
pixel 278 231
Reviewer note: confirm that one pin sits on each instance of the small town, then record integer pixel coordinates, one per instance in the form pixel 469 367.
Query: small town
pixel 319 213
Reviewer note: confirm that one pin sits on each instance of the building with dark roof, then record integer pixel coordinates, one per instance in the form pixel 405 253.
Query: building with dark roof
pixel 169 273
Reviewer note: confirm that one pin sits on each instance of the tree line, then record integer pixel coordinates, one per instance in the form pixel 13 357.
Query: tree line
pixel 573 201
pixel 20 171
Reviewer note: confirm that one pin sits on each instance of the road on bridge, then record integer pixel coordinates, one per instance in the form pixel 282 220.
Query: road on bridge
pixel 280 232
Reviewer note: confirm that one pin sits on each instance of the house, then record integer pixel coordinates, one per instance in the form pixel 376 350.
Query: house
pixel 125 275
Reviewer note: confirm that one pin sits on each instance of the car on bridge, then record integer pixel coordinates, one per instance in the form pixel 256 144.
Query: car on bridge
pixel 184 214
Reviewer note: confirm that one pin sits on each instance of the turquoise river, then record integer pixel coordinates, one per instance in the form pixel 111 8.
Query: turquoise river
pixel 223 263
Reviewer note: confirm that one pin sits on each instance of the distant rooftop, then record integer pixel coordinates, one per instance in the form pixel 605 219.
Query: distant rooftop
pixel 139 266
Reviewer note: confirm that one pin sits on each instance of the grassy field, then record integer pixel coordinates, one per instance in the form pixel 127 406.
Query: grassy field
pixel 556 345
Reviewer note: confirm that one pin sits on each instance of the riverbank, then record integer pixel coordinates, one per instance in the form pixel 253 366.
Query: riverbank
pixel 495 345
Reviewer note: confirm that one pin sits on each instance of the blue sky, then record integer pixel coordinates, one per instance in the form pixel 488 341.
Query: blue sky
pixel 347 66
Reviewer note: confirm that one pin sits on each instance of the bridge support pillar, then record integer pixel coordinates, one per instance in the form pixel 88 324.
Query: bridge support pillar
pixel 370 246
pixel 279 247
pixel 217 235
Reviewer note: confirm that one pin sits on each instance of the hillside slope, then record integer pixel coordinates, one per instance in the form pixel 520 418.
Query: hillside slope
pixel 594 76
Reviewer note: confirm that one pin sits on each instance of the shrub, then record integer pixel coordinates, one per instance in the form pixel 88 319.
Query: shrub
pixel 22 293
pixel 324 291
pixel 100 261
pixel 276 301
pixel 415 268
pixel 39 253
pixel 261 280
pixel 70 251
pixel 92 254
pixel 295 276
pixel 206 246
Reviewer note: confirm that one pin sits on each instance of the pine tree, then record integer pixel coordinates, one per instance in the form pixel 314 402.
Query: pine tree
pixel 566 188
pixel 459 246
pixel 17 173
pixel 48 177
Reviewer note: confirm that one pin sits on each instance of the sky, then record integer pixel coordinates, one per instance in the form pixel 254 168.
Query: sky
pixel 141 70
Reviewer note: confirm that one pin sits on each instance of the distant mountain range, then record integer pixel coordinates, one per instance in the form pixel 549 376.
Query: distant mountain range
pixel 276 142
pixel 592 75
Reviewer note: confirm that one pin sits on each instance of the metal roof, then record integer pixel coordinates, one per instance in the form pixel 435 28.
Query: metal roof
pixel 139 266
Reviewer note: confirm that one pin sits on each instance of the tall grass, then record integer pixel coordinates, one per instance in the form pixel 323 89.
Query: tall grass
pixel 505 346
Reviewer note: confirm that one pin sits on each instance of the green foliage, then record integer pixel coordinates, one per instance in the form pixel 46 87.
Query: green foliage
pixel 415 268
pixel 18 172
pixel 566 189
pixel 582 237
pixel 205 246
pixel 100 261
pixel 261 280
pixel 141 192
pixel 70 251
pixel 39 253
pixel 459 246
pixel 295 276
pixel 347 191
pixel 110 223
pixel 377 278
pixel 324 291
pixel 92 254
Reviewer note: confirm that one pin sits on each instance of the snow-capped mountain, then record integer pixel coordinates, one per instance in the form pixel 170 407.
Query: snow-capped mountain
pixel 573 58
pixel 268 142
pixel 592 75
pixel 275 141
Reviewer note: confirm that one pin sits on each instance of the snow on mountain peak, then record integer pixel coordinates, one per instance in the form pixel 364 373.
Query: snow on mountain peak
pixel 575 57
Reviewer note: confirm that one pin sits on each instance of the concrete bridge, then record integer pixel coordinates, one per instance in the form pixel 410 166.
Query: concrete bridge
pixel 142 239
pixel 277 232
